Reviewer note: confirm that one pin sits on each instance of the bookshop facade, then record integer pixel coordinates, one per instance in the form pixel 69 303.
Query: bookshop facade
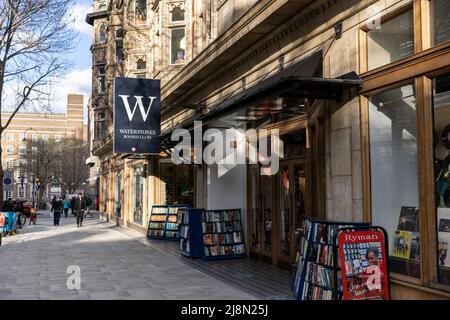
pixel 367 149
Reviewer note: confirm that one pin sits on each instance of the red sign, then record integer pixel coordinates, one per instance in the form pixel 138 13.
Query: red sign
pixel 362 256
pixel 2 220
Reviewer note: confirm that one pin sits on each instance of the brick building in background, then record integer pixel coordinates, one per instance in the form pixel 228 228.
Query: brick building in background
pixel 30 126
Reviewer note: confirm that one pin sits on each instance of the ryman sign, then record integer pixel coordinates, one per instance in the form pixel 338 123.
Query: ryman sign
pixel 136 115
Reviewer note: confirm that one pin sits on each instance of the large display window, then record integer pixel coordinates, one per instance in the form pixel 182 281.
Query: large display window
pixel 392 41
pixel 138 195
pixel 394 175
pixel 441 108
pixel 176 184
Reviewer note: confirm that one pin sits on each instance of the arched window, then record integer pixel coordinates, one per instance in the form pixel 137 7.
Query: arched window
pixel 140 9
pixel 102 33
pixel 141 64
pixel 177 15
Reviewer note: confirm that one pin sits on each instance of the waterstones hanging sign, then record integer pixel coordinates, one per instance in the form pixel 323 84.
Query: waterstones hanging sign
pixel 136 115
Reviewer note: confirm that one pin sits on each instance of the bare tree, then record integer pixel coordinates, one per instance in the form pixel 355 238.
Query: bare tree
pixel 34 38
pixel 53 162
pixel 74 172
pixel 42 160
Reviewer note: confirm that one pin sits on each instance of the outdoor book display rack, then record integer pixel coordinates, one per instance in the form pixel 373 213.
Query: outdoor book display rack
pixel 211 234
pixel 318 274
pixel 163 222
pixel 191 240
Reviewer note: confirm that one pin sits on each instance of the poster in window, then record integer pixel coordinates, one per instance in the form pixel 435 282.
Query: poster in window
pixel 136 116
pixel 363 255
pixel 409 219
pixel 443 237
pixel 402 242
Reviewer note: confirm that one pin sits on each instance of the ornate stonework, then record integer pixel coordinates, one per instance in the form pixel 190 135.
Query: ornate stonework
pixel 178 4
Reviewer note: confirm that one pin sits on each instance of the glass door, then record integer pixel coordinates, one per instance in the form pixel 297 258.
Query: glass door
pixel 261 214
pixel 285 212
pixel 266 197
pixel 255 216
pixel 292 188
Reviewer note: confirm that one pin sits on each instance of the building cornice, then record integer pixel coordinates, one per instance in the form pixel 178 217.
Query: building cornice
pixel 90 17
pixel 250 28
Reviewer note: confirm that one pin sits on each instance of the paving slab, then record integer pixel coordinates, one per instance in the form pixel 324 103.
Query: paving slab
pixel 113 265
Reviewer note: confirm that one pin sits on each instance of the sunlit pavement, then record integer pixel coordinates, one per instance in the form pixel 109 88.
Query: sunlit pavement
pixel 114 264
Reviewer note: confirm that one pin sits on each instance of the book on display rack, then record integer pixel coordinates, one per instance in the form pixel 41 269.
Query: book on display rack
pixel 191 242
pixel 318 274
pixel 163 222
pixel 222 234
pixel 172 231
pixel 211 234
pixel 157 222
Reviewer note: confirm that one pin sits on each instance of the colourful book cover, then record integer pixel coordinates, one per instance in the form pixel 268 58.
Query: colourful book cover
pixel 402 244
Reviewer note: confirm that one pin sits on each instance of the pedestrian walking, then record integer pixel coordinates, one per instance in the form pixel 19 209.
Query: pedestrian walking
pixel 79 207
pixel 66 204
pixel 57 209
pixel 72 205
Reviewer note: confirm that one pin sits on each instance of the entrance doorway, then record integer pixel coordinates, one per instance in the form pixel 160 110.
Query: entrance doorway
pixel 276 204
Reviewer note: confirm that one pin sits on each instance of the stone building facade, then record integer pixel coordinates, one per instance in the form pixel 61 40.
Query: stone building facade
pixel 352 87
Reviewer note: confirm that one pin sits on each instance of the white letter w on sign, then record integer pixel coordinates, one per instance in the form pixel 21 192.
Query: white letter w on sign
pixel 139 103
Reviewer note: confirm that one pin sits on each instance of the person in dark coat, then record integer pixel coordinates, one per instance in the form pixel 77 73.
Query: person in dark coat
pixel 72 205
pixel 57 209
pixel 79 208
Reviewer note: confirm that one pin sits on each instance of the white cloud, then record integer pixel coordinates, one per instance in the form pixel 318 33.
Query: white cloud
pixel 77 81
pixel 78 14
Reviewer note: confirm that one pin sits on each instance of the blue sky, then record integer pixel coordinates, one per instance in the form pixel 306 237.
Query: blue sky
pixel 78 79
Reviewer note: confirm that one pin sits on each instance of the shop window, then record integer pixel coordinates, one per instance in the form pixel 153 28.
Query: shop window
pixel 394 180
pixel 185 185
pixel 138 195
pixel 102 33
pixel 176 184
pixel 101 80
pixel 177 15
pixel 118 195
pixel 441 107
pixel 177 45
pixel 141 11
pixel 440 21
pixel 394 40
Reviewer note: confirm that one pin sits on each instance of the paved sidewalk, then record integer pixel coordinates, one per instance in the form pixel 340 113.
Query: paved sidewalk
pixel 113 265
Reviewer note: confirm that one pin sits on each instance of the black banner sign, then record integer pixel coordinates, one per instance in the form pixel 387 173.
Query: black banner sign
pixel 137 115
